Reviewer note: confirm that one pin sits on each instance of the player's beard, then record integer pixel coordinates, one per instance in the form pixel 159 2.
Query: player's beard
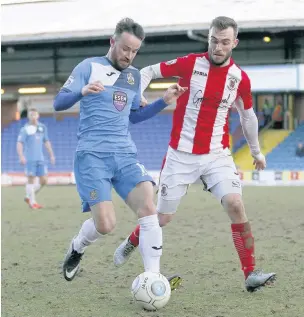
pixel 228 55
pixel 126 65
pixel 113 56
pixel 119 67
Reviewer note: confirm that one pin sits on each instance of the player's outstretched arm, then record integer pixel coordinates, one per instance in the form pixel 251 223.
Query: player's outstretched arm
pixel 76 87
pixel 174 68
pixel 19 146
pixel 147 112
pixel 49 148
pixel 149 73
pixel 250 128
pixel 66 99
pixel 20 152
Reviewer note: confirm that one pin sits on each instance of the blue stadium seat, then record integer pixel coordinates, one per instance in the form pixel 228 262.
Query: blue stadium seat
pixel 283 157
pixel 61 133
pixel 151 138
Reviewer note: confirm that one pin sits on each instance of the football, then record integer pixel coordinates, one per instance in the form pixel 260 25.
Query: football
pixel 151 291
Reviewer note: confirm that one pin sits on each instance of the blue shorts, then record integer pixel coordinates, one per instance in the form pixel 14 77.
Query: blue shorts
pixel 96 173
pixel 36 168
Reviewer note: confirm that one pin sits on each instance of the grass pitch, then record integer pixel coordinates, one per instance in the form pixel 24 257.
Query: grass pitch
pixel 197 244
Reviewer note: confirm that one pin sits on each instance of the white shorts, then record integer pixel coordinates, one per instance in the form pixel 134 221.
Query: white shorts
pixel 216 172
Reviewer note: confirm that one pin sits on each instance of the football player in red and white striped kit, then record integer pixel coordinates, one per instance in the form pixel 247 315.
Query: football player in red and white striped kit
pixel 199 144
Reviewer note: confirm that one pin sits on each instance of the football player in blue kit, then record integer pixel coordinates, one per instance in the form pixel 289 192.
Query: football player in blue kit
pixel 108 89
pixel 31 139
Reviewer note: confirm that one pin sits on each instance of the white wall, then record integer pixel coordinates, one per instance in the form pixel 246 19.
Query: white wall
pixel 89 18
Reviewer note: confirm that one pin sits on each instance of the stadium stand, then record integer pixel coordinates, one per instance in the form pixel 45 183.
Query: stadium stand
pixel 284 157
pixel 151 138
pixel 61 133
pixel 52 49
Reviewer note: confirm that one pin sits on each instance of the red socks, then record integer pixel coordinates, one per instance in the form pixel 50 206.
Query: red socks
pixel 244 244
pixel 242 238
pixel 134 237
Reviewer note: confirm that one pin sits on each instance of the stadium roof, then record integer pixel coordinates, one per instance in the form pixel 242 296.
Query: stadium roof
pixel 25 21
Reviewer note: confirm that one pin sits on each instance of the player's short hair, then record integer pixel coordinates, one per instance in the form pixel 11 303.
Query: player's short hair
pixel 130 26
pixel 222 23
pixel 33 110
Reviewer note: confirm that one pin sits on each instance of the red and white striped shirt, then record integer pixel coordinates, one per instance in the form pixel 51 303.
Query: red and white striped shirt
pixel 200 120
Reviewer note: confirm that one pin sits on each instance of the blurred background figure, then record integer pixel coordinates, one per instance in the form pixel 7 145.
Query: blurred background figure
pixel 300 150
pixel 32 136
pixel 277 116
pixel 23 113
pixel 267 111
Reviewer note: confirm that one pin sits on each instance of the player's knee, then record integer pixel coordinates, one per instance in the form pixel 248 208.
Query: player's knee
pixel 164 219
pixel 104 217
pixel 233 203
pixel 234 206
pixel 105 226
pixel 148 209
pixel 31 179
pixel 43 180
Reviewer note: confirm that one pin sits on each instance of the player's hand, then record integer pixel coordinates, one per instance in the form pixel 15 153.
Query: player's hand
pixel 22 160
pixel 53 160
pixel 173 93
pixel 93 88
pixel 143 101
pixel 259 161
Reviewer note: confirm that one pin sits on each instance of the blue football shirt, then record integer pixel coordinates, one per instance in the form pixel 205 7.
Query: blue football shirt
pixel 104 117
pixel 33 138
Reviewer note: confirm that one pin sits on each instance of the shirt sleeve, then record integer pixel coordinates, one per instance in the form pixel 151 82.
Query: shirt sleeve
pixel 147 112
pixel 137 99
pixel 245 96
pixel 22 135
pixel 78 78
pixel 66 99
pixel 250 126
pixel 45 135
pixel 174 68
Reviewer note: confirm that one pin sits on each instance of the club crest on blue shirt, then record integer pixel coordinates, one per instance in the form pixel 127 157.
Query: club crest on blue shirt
pixel 130 79
pixel 120 100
